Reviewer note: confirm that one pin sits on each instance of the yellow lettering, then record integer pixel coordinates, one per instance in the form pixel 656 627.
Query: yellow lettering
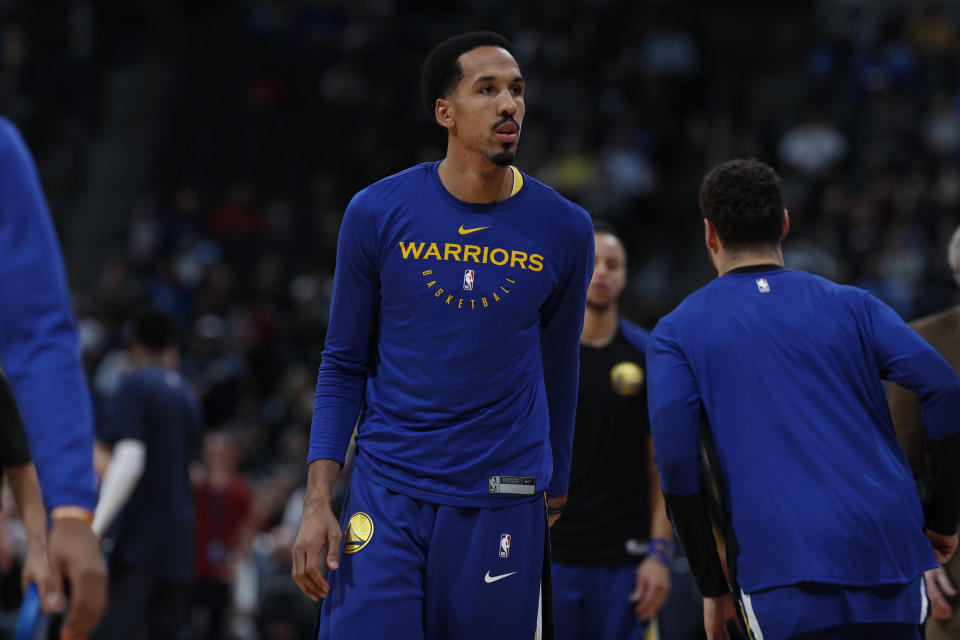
pixel 439 292
pixel 496 297
pixel 432 250
pixel 484 301
pixel 411 248
pixel 486 252
pixel 536 262
pixel 471 251
pixel 504 290
pixel 427 272
pixel 493 257
pixel 451 250
pixel 510 281
pixel 460 304
pixel 518 256
pixel 473 303
pixel 431 283
pixel 449 298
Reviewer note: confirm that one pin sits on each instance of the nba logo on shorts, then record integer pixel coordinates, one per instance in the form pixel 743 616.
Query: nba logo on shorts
pixel 763 285
pixel 468 280
pixel 504 545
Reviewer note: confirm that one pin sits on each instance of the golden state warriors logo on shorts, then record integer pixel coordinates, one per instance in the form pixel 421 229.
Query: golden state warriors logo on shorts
pixel 358 533
pixel 626 378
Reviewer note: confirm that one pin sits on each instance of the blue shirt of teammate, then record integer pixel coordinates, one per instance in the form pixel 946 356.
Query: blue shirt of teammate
pixel 457 325
pixel 154 530
pixel 787 367
pixel 38 337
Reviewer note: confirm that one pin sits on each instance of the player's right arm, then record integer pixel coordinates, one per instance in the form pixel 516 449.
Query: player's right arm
pixel 319 530
pixel 354 309
pixel 674 403
pixel 907 359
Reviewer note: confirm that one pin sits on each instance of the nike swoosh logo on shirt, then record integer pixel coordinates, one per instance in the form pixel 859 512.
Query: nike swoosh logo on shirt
pixel 490 579
pixel 464 232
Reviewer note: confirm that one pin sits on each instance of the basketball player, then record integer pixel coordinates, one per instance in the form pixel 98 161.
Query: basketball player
pixel 828 536
pixel 41 355
pixel 613 548
pixel 455 321
pixel 942 331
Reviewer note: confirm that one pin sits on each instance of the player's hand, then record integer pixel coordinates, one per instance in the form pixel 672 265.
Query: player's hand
pixel 716 612
pixel 36 569
pixel 318 530
pixel 557 502
pixel 75 554
pixel 653 585
pixel 943 545
pixel 939 588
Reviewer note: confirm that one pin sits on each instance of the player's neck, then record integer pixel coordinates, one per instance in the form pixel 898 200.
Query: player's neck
pixel 600 324
pixel 473 179
pixel 725 261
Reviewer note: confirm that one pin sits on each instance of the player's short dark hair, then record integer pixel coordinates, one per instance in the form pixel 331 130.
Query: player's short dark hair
pixel 154 330
pixel 744 201
pixel 442 70
pixel 602 226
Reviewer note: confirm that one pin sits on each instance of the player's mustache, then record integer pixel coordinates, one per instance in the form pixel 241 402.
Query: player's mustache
pixel 505 120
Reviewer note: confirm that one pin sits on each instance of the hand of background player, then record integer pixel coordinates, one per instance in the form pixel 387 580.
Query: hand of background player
pixel 653 585
pixel 939 588
pixel 558 502
pixel 319 529
pixel 716 612
pixel 943 545
pixel 36 569
pixel 75 554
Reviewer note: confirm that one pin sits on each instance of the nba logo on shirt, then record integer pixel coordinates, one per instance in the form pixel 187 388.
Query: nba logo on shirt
pixel 504 545
pixel 763 285
pixel 468 280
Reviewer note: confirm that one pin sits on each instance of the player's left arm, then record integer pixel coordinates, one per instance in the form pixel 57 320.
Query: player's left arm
pixel 653 574
pixel 907 359
pixel 560 328
pixel 38 337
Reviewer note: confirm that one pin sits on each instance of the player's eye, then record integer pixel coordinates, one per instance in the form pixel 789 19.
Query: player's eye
pixel 488 89
pixel 517 90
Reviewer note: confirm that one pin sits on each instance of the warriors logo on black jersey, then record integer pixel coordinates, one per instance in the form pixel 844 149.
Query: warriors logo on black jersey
pixel 627 378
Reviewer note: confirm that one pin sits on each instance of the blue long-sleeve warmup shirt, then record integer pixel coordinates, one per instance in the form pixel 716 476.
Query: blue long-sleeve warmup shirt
pixel 38 338
pixel 788 367
pixel 456 326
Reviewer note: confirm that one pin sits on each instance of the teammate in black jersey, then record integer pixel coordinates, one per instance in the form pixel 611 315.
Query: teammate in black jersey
pixel 613 548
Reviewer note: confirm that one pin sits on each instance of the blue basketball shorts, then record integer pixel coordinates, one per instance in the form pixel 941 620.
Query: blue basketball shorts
pixel 593 603
pixel 413 570
pixel 827 611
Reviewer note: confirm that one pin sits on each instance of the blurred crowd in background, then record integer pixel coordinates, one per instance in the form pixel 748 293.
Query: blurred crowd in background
pixel 198 156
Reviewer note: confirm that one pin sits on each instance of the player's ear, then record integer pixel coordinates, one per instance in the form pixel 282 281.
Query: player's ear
pixel 443 111
pixel 786 224
pixel 710 237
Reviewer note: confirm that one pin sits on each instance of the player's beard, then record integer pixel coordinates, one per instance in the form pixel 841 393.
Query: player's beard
pixel 504 157
pixel 599 307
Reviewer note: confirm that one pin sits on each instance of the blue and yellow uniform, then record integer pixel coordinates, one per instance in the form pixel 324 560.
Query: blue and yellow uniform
pixel 456 328
pixel 786 368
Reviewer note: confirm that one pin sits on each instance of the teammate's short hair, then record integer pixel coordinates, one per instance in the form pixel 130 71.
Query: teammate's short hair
pixel 154 330
pixel 602 226
pixel 744 201
pixel 953 255
pixel 442 70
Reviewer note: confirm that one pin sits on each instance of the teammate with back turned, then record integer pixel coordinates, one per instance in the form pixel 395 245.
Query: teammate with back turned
pixel 827 536
pixel 455 321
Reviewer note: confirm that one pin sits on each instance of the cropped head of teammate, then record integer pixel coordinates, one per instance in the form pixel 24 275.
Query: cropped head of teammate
pixel 473 87
pixel 953 255
pixel 609 268
pixel 744 211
